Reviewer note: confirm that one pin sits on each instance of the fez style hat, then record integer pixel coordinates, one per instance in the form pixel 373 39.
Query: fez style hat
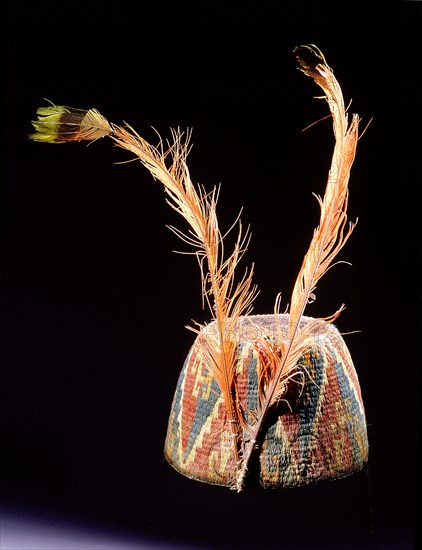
pixel 316 431
pixel 262 400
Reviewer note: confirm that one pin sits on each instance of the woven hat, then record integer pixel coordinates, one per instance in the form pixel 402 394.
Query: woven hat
pixel 266 400
pixel 317 432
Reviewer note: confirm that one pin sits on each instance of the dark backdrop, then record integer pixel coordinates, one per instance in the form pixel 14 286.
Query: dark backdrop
pixel 93 302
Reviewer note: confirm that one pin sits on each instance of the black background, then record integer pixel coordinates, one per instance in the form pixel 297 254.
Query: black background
pixel 93 302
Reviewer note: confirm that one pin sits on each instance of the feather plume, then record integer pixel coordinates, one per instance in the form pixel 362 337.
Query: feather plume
pixel 279 360
pixel 226 299
pixel 61 124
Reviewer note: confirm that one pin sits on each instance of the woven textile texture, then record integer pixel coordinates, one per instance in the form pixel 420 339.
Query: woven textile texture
pixel 317 432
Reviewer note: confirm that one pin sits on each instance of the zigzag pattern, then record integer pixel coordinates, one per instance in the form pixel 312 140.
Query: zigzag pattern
pixel 320 435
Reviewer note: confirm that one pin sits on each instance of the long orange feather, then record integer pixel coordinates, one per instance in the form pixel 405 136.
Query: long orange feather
pixel 281 359
pixel 226 300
